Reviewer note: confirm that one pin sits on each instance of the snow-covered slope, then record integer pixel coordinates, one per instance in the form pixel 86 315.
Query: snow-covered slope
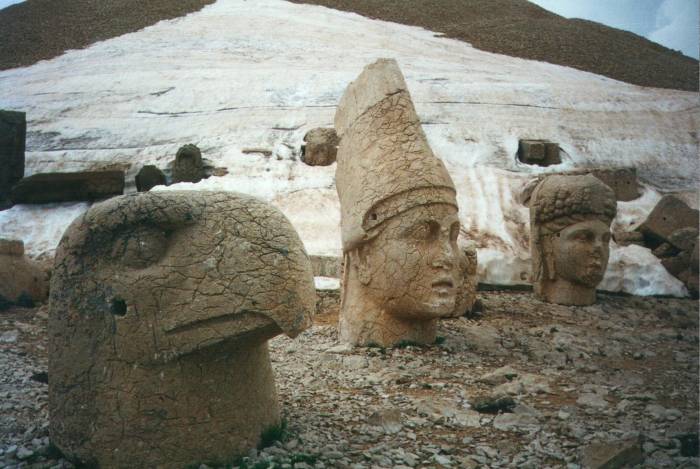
pixel 244 75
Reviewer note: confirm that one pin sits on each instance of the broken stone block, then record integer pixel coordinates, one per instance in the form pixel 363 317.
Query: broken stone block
pixel 22 281
pixel 321 147
pixel 623 182
pixel 677 264
pixel 13 131
pixel 148 177
pixel 612 455
pixel 539 152
pixel 664 250
pixel 684 239
pixel 188 165
pixel 625 238
pixel 399 217
pixel 669 215
pixel 65 187
pixel 162 304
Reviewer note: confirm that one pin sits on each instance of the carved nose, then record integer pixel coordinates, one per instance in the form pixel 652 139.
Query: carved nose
pixel 444 257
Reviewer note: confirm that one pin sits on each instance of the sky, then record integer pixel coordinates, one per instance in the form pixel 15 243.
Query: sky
pixel 672 23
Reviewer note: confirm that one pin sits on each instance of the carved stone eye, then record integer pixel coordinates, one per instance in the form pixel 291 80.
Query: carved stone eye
pixel 140 247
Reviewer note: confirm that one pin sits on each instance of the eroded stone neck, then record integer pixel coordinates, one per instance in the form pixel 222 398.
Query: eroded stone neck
pixel 563 292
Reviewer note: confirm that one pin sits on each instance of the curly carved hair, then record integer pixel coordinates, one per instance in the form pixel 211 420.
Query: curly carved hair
pixel 560 201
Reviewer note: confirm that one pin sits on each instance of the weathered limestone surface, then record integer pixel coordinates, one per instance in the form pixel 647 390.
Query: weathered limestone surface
pixel 623 181
pixel 148 177
pixel 570 219
pixel 65 187
pixel 188 165
pixel 403 269
pixel 160 311
pixel 13 132
pixel 21 280
pixel 320 147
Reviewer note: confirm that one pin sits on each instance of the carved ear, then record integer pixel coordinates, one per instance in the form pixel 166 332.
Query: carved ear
pixel 364 273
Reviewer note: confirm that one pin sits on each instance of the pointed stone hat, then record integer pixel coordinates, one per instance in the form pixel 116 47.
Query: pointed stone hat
pixel 385 166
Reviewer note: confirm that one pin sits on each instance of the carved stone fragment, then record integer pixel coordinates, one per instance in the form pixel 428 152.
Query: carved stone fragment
pixel 669 215
pixel 21 280
pixel 160 311
pixel 570 219
pixel 188 166
pixel 148 177
pixel 320 147
pixel 13 132
pixel 403 269
pixel 44 188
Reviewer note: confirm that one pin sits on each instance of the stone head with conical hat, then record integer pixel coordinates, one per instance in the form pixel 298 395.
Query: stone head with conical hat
pixel 399 224
pixel 570 219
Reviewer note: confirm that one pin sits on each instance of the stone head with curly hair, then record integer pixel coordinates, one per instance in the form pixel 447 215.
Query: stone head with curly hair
pixel 570 219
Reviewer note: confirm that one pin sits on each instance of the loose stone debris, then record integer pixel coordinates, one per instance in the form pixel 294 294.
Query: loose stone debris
pixel 343 407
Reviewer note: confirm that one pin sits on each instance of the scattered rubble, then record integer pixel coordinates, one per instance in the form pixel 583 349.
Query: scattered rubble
pixel 361 408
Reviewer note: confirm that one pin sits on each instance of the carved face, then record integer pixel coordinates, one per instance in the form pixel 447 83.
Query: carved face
pixel 413 267
pixel 581 252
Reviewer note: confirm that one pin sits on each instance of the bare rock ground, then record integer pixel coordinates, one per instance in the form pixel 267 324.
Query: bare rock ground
pixel 566 379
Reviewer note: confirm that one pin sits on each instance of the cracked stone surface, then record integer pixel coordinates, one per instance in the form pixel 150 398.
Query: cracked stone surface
pixel 160 312
pixel 399 221
pixel 188 165
pixel 413 406
pixel 570 219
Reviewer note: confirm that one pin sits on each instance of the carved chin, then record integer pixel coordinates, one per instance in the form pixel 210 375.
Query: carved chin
pixel 592 276
pixel 431 308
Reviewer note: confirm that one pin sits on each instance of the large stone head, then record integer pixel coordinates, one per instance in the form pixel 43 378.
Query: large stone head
pixel 570 219
pixel 399 224
pixel 161 306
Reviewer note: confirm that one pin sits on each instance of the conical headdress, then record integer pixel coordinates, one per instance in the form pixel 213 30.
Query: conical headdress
pixel 385 165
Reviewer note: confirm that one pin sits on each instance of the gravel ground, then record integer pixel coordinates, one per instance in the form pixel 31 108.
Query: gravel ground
pixel 624 371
